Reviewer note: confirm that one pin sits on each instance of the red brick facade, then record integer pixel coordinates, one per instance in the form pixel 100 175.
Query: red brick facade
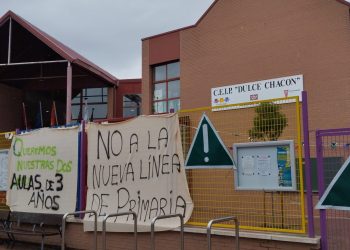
pixel 244 41
pixel 77 239
pixel 2 198
pixel 240 41
pixel 125 87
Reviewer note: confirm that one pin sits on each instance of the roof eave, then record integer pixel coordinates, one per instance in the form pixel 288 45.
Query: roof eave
pixel 108 78
pixel 52 44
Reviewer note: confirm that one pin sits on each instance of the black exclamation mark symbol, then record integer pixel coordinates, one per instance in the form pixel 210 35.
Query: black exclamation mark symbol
pixel 205 141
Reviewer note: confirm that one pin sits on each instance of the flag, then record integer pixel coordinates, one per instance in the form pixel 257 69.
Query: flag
pixel 53 119
pixel 41 115
pixel 25 115
pixel 39 118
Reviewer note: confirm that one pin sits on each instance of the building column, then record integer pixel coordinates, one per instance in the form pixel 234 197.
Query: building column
pixel 69 94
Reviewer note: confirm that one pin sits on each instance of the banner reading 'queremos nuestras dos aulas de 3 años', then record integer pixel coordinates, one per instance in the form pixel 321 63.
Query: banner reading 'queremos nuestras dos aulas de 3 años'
pixel 43 171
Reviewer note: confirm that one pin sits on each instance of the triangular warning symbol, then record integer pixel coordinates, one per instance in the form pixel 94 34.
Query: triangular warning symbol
pixel 336 195
pixel 207 149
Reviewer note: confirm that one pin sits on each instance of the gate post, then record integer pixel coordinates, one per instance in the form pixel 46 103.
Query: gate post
pixel 321 188
pixel 310 206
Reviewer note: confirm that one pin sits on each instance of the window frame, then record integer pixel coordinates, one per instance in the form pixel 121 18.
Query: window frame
pixel 83 95
pixel 137 106
pixel 166 81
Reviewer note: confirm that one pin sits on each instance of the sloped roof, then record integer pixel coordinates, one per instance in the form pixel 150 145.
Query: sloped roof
pixel 61 49
pixel 186 27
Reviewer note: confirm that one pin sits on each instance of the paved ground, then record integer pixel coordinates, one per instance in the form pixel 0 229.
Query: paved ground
pixel 21 246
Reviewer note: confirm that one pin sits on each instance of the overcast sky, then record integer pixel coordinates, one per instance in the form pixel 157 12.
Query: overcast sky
pixel 108 32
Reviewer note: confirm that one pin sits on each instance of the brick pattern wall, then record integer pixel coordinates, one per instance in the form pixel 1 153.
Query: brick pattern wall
pixel 247 40
pixel 77 239
pixel 2 199
pixel 146 80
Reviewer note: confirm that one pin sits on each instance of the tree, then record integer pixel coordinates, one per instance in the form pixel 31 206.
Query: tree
pixel 269 122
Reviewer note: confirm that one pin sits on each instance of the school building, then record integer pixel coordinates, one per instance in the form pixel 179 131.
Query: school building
pixel 39 72
pixel 242 52
pixel 238 42
pixel 239 51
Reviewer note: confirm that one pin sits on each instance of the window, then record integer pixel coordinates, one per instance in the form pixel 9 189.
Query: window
pixel 131 105
pixel 96 99
pixel 166 88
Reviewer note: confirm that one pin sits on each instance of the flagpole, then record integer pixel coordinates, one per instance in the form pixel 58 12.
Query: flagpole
pixel 25 115
pixel 41 115
pixel 92 115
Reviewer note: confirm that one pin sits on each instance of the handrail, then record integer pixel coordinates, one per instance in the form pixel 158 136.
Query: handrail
pixel 116 215
pixel 76 213
pixel 214 221
pixel 166 217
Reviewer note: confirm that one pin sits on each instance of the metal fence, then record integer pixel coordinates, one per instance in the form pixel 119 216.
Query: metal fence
pixel 333 148
pixel 212 190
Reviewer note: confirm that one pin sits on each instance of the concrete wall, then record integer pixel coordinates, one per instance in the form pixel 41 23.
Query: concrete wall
pixel 77 239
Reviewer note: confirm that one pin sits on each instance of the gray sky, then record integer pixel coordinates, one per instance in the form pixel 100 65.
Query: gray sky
pixel 108 32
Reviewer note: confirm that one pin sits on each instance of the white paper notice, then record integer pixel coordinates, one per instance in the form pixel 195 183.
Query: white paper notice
pixel 248 165
pixel 263 164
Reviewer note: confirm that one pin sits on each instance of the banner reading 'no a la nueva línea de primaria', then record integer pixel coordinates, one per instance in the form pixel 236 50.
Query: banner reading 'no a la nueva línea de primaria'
pixel 137 165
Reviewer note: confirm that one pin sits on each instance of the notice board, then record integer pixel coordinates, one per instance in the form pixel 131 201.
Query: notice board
pixel 265 166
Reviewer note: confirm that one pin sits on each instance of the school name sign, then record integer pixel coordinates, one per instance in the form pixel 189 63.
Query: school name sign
pixel 43 171
pixel 257 91
pixel 137 166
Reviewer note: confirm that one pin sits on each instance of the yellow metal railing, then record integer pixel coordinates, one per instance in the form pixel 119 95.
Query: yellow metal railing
pixel 213 190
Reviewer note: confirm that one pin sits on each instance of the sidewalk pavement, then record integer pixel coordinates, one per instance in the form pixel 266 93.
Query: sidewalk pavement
pixel 24 246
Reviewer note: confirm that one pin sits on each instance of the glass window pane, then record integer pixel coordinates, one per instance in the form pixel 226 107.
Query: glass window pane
pixel 75 111
pixel 159 91
pixel 159 107
pixel 130 112
pixel 174 89
pixel 99 111
pixel 129 102
pixel 105 91
pixel 173 70
pixel 159 73
pixel 174 106
pixel 94 91
pixel 92 99
pixel 76 100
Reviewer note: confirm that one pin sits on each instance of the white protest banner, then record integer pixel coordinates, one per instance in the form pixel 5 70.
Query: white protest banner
pixel 43 171
pixel 138 166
